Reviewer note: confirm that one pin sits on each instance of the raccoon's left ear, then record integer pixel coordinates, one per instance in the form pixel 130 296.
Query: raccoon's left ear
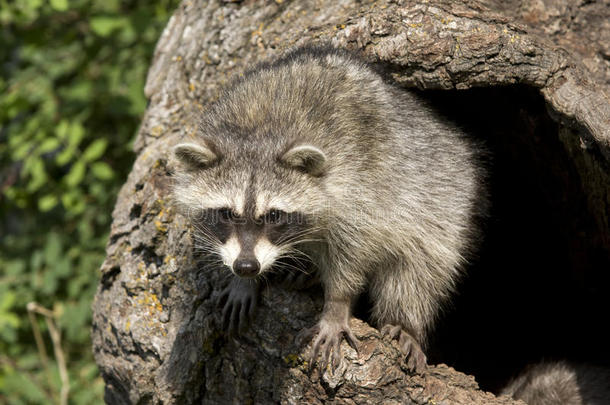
pixel 195 156
pixel 306 158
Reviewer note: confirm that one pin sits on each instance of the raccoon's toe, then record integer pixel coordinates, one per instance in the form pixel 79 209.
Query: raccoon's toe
pixel 415 356
pixel 238 302
pixel 236 316
pixel 327 343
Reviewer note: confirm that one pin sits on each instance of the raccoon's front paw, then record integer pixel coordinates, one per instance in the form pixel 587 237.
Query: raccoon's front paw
pixel 238 302
pixel 327 342
pixel 416 359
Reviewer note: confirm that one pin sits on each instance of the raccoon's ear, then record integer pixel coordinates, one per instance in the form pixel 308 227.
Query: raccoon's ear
pixel 195 156
pixel 306 158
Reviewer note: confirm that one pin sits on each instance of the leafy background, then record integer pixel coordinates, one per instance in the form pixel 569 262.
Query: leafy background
pixel 71 96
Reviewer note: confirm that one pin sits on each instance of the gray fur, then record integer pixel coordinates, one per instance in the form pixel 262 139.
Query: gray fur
pixel 561 383
pixel 392 198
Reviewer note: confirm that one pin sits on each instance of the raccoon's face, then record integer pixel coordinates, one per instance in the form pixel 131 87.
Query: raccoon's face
pixel 252 216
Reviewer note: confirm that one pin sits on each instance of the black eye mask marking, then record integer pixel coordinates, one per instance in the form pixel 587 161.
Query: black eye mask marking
pixel 278 226
pixel 216 223
pixel 281 227
pixel 225 214
pixel 275 217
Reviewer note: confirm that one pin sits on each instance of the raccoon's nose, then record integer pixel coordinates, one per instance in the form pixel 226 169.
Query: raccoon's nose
pixel 246 267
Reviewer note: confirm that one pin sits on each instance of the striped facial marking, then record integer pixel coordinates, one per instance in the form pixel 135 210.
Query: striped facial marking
pixel 266 253
pixel 229 251
pixel 265 203
pixel 252 227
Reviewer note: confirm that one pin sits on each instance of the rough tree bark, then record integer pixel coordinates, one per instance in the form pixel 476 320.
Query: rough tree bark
pixel 156 334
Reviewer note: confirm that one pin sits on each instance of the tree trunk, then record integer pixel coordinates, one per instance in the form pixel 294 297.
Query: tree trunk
pixel 156 332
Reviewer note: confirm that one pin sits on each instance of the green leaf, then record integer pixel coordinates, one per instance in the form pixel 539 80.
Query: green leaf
pixel 29 361
pixel 17 385
pixel 48 145
pixel 34 4
pixel 36 260
pixel 9 321
pixel 38 174
pixel 102 171
pixel 47 203
pixel 21 151
pixel 95 150
pixel 59 5
pixel 71 198
pixel 74 316
pixel 15 267
pixel 76 132
pixel 76 174
pixel 65 156
pixel 52 249
pixel 50 282
pixel 63 267
pixel 7 301
pixel 103 26
pixel 62 129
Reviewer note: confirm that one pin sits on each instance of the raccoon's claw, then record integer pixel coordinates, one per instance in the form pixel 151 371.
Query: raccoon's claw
pixel 327 343
pixel 416 359
pixel 238 302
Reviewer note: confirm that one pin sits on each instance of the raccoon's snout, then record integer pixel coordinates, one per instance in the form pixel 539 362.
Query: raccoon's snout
pixel 246 267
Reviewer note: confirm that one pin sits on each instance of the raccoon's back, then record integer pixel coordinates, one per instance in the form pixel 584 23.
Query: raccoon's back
pixel 321 96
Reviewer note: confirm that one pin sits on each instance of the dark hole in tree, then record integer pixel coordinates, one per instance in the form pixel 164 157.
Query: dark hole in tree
pixel 538 289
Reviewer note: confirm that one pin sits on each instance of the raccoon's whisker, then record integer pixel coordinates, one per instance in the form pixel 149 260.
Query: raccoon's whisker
pixel 301 235
pixel 301 241
pixel 211 259
pixel 295 256
pixel 296 236
pixel 289 267
pixel 295 253
pixel 286 267
pixel 205 238
pixel 210 267
pixel 307 231
pixel 205 253
pixel 203 232
pixel 203 246
pixel 263 278
pixel 298 265
pixel 293 267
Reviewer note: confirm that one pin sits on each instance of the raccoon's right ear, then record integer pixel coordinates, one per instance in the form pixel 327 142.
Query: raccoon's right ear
pixel 195 156
pixel 306 158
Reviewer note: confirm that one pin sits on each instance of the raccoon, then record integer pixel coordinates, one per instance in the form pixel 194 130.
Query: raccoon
pixel 561 383
pixel 314 156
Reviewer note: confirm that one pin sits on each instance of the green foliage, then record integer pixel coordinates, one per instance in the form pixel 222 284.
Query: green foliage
pixel 71 96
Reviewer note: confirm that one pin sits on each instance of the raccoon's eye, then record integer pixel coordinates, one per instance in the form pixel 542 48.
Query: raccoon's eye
pixel 274 217
pixel 226 214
